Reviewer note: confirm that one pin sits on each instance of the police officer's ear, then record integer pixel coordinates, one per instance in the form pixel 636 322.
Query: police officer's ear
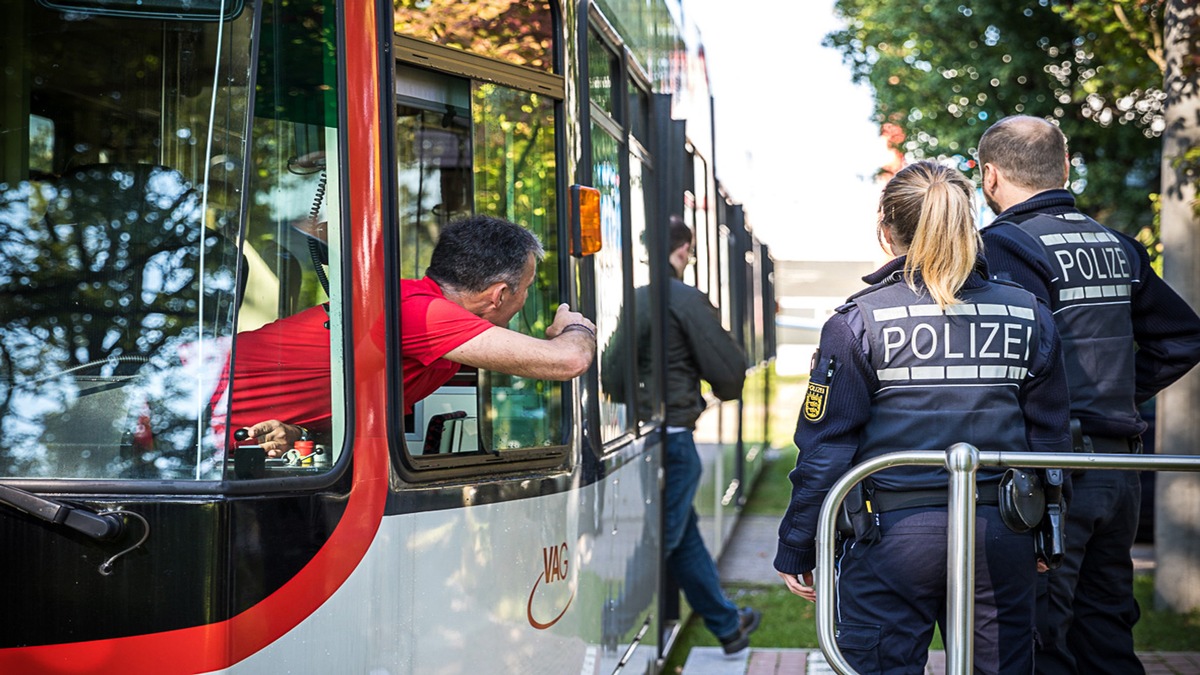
pixel 990 176
pixel 889 240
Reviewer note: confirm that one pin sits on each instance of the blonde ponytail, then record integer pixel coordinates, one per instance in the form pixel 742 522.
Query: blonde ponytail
pixel 928 208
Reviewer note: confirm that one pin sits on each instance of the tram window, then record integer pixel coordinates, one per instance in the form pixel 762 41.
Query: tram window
pixel 196 10
pixel 639 113
pixel 467 146
pixel 615 417
pixel 725 303
pixel 706 252
pixel 122 202
pixel 285 354
pixel 603 68
pixel 520 32
pixel 647 386
pixel 433 161
pixel 515 178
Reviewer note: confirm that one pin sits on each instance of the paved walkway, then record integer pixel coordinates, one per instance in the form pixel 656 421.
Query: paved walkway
pixel 748 558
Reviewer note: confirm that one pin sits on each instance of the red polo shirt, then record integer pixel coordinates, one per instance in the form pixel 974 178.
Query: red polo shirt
pixel 281 372
pixel 430 326
pixel 282 369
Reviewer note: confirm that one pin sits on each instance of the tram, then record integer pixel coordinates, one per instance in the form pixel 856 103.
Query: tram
pixel 177 174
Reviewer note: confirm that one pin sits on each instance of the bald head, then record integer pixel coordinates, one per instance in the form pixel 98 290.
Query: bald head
pixel 1031 152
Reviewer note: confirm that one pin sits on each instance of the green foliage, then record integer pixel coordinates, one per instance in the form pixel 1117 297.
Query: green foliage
pixel 1188 165
pixel 788 623
pixel 1162 631
pixel 944 70
pixel 509 30
pixel 1151 235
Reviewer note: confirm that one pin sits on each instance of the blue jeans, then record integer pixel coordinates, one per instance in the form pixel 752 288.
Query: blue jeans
pixel 688 560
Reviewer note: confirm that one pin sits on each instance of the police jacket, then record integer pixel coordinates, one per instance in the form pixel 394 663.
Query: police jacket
pixel 894 372
pixel 1105 298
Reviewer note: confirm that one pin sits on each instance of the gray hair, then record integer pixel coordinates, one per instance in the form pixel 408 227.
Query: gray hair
pixel 473 253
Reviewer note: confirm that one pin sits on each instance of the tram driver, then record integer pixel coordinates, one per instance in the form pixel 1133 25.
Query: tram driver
pixel 478 278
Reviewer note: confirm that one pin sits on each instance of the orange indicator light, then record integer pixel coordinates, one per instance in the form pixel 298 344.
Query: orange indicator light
pixel 585 221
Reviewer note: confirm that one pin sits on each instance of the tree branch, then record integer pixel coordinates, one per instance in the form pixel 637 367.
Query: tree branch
pixel 1156 52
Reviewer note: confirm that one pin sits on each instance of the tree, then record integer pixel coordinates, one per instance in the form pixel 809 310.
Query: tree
pixel 1178 494
pixel 944 70
pixel 517 32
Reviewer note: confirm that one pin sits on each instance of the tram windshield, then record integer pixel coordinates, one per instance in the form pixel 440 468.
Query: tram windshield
pixel 161 196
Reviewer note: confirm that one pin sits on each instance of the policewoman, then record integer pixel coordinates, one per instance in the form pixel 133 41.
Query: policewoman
pixel 932 353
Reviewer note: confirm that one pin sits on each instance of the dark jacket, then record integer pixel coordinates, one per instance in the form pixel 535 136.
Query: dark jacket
pixel 832 425
pixel 1165 329
pixel 698 348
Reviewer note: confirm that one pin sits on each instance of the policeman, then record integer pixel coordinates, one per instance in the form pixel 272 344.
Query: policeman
pixel 1105 298
pixel 929 355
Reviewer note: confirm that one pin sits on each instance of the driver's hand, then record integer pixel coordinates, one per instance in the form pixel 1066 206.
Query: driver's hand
pixel 273 436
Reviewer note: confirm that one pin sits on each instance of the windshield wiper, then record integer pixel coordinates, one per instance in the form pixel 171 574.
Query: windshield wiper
pixel 99 526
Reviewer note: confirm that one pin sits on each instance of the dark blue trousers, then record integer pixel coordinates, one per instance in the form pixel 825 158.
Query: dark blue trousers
pixel 891 593
pixel 1086 608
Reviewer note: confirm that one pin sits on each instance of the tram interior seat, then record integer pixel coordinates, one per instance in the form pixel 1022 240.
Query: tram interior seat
pixel 445 433
pixel 115 277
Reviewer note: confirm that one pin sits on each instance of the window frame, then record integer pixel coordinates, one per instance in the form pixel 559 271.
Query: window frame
pixel 418 468
pixel 630 79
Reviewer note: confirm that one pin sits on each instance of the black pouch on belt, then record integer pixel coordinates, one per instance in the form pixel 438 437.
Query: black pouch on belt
pixel 1050 542
pixel 856 517
pixel 1022 500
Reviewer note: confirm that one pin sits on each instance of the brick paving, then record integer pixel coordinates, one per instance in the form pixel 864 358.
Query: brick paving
pixel 711 661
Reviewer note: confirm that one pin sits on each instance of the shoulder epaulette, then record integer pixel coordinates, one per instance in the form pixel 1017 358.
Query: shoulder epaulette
pixel 1014 220
pixel 1006 282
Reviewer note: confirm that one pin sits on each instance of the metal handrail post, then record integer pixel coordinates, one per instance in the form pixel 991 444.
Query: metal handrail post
pixel 962 461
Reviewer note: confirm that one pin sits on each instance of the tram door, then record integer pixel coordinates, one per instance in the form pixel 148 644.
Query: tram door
pixel 623 422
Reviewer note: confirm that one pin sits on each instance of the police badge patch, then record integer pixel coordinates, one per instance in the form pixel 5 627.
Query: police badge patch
pixel 814 401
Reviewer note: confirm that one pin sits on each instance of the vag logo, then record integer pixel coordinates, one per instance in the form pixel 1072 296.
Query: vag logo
pixel 554 579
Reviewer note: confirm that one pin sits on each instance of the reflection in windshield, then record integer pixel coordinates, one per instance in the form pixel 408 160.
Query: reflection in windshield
pixel 103 286
pixel 117 261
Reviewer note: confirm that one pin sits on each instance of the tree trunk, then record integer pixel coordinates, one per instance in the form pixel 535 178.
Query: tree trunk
pixel 1177 498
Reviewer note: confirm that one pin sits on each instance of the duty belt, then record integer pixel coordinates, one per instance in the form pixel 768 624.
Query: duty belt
pixel 1112 446
pixel 894 500
pixel 1108 445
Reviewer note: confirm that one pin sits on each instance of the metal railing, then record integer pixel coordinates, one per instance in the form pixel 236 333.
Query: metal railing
pixel 962 461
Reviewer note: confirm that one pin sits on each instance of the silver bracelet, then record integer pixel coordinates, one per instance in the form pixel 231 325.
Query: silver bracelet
pixel 578 326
